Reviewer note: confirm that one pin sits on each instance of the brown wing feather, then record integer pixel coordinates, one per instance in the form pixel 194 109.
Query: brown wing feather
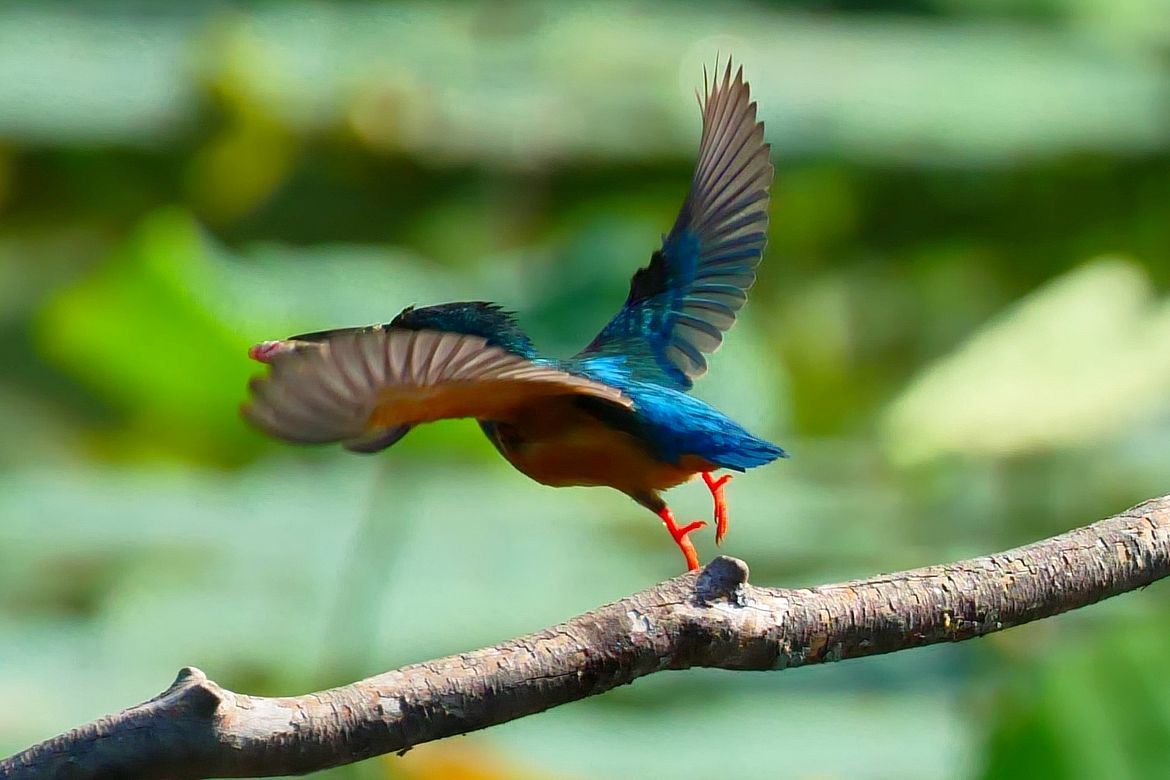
pixel 359 385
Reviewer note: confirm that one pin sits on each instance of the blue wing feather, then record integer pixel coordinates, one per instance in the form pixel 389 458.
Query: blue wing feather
pixel 680 304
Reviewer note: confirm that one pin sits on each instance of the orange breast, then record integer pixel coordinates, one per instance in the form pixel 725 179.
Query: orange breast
pixel 557 444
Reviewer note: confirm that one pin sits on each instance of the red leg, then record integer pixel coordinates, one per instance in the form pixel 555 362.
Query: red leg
pixel 680 536
pixel 716 487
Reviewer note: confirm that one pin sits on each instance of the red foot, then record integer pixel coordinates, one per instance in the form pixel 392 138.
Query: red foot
pixel 716 488
pixel 680 536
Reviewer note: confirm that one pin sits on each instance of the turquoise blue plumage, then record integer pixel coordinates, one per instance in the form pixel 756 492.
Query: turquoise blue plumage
pixel 618 413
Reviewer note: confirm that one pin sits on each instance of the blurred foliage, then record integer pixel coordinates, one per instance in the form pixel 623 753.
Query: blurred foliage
pixel 960 332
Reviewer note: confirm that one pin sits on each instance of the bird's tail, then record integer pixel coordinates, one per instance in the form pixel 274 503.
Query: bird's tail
pixel 750 452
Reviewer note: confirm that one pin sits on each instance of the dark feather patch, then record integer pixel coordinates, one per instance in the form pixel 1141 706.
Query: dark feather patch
pixel 649 281
pixel 378 440
pixel 487 320
pixel 613 415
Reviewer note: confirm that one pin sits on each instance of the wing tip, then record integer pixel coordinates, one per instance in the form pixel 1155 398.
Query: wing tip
pixel 716 82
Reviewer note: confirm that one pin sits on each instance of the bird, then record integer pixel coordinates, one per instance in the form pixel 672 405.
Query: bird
pixel 616 414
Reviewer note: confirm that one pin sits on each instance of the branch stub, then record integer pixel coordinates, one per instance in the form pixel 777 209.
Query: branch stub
pixel 723 579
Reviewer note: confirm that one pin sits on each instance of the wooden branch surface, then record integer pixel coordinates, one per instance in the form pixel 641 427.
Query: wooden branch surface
pixel 712 618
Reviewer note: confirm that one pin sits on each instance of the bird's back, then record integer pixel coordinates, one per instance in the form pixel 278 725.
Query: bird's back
pixel 674 424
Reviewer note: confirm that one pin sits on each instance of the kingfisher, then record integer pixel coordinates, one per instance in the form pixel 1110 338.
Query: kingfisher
pixel 616 414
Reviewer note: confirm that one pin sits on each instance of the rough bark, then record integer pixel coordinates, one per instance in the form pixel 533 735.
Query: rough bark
pixel 711 618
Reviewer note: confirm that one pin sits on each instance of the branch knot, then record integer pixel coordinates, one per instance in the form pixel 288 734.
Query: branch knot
pixel 723 579
pixel 193 691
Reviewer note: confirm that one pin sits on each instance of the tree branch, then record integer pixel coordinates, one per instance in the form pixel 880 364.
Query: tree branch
pixel 712 618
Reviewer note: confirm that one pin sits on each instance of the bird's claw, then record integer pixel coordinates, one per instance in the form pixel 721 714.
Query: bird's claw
pixel 716 487
pixel 681 533
pixel 680 536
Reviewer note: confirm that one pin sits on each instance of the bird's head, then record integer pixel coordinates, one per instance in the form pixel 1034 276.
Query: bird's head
pixel 474 318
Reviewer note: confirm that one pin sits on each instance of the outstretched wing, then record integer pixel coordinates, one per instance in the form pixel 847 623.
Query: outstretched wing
pixel 366 387
pixel 681 303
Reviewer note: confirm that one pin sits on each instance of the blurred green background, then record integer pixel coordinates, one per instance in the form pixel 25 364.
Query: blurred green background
pixel 961 332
